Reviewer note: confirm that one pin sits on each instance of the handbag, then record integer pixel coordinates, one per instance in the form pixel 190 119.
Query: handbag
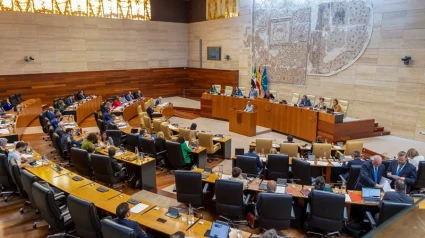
pixel 252 220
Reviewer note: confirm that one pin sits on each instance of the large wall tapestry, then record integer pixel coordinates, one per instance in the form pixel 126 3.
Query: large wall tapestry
pixel 317 37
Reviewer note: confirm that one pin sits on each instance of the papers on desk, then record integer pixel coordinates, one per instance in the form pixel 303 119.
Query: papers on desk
pixel 217 138
pixel 172 127
pixel 280 189
pixel 385 183
pixel 336 164
pixel 119 153
pixel 275 145
pixel 69 127
pixel 321 163
pixel 348 157
pixel 307 147
pixel 347 198
pixel 337 147
pixel 25 156
pixel 163 104
pixel 119 108
pixel 311 162
pixel 122 125
pixel 4 131
pixel 138 208
pixel 10 144
pixel 225 176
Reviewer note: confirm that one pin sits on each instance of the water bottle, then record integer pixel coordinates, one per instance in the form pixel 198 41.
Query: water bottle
pixel 190 217
pixel 29 148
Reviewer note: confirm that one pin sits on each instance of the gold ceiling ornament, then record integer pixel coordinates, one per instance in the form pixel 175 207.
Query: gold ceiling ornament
pixel 120 9
pixel 217 9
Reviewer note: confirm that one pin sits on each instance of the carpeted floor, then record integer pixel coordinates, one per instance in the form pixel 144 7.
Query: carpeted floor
pixel 156 199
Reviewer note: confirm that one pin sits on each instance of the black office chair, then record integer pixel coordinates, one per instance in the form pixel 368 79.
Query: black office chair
pixel 148 147
pixel 84 215
pixel 61 151
pixel 388 210
pixel 18 97
pixel 103 171
pixel 51 131
pixel 420 179
pixel 6 178
pixel 15 173
pixel 229 200
pixel 277 166
pixel 101 125
pixel 175 156
pixel 27 179
pixel 116 136
pixel 301 172
pixel 248 165
pixel 189 187
pixel 43 126
pixel 274 211
pixel 81 161
pixel 111 229
pixel 133 142
pixel 386 163
pixel 57 217
pixel 326 212
pixel 96 115
pixel 12 99
pixel 353 177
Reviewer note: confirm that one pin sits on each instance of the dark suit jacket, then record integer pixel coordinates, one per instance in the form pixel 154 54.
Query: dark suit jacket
pixel 115 165
pixel 133 225
pixel 408 172
pixel 355 161
pixel 149 111
pixel 157 102
pixel 129 97
pixel 50 115
pixel 69 101
pixel 80 96
pixel 137 95
pixel 7 106
pixel 159 145
pixel 2 151
pixel 366 174
pixel 306 103
pixel 397 196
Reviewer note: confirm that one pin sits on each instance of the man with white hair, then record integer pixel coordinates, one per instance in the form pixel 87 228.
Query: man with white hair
pixel 158 101
pixel 3 144
pixel 372 172
pixel 60 129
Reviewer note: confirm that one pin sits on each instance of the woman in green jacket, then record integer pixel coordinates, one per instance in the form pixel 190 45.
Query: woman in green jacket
pixel 187 152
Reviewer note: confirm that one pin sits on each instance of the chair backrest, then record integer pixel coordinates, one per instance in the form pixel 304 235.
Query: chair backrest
pixel 274 92
pixel 206 140
pixel 166 130
pixel 81 161
pixel 243 90
pixel 228 90
pixel 102 167
pixel 185 133
pixel 85 218
pixel 327 102
pixel 18 97
pixel 344 106
pixel 327 210
pixel 46 204
pixel 229 197
pixel 189 187
pixel 96 115
pixel 420 179
pixel 301 171
pixel 41 119
pixel 277 166
pixel 263 144
pixel 352 146
pixel 141 121
pixel 312 98
pixel 148 124
pixel 148 146
pixel 217 88
pixel 146 105
pixel 390 209
pixel 157 125
pixel 133 142
pixel 115 135
pixel 386 163
pixel 12 99
pixel 5 177
pixel 15 173
pixel 319 150
pixel 101 125
pixel 247 164
pixel 58 145
pixel 111 229
pixel 275 210
pixel 139 109
pixel 353 177
pixel 27 180
pixel 290 149
pixel 175 154
pixel 295 98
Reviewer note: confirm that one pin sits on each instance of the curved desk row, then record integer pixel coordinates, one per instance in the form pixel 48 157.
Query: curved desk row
pixel 31 109
pixel 83 109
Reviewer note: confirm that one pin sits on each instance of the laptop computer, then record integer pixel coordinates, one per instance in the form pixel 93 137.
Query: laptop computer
pixel 371 195
pixel 219 230
pixel 173 212
pixel 206 173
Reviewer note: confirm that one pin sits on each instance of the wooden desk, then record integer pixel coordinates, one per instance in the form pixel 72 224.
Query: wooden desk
pixel 84 108
pixel 129 110
pixel 171 226
pixel 166 112
pixel 31 109
pixel 200 156
pixel 243 123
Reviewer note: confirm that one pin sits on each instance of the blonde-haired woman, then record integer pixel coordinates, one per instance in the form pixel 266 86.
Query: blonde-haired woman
pixel 159 142
pixel 414 157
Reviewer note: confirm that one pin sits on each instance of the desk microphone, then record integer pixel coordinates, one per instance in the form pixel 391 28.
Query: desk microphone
pixel 114 196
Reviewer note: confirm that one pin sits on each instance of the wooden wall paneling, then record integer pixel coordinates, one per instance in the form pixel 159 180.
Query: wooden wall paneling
pixel 200 80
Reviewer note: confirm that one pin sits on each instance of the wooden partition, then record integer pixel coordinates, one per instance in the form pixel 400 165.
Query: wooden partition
pixel 151 82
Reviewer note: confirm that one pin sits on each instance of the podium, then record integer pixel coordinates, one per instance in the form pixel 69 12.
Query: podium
pixel 243 123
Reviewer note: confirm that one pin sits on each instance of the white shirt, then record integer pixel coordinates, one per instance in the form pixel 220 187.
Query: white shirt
pixel 14 154
pixel 415 161
pixel 249 108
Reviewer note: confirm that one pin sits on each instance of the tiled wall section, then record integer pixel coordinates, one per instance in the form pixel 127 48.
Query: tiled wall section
pixel 377 86
pixel 69 44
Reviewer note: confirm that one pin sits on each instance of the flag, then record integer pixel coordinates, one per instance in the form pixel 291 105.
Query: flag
pixel 259 80
pixel 264 80
pixel 254 78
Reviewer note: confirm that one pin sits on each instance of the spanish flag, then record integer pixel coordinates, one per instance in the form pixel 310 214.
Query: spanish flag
pixel 259 80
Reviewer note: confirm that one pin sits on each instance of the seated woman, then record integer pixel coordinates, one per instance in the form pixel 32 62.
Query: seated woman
pixel 238 92
pixel 91 140
pixel 105 139
pixel 319 184
pixel 335 106
pixel 117 102
pixel 61 106
pixel 268 95
pixel 187 152
pixel 321 104
pixel 213 89
pixel 193 132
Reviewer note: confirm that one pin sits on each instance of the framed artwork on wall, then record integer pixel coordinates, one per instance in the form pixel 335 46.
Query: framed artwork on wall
pixel 213 53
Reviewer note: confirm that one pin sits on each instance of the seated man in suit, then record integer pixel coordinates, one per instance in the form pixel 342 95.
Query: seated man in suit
pixel 138 95
pixel 403 170
pixel 253 93
pixel 305 102
pixel 80 95
pixel 372 172
pixel 69 100
pixel 289 139
pixel 61 129
pixel 50 114
pixel 7 106
pixel 119 169
pixel 399 195
pixel 123 213
pixel 158 101
pixel 123 99
pixel 3 144
pixel 257 158
pixel 111 120
pixel 55 121
pixel 271 188
pixel 356 161
pixel 249 107
pixel 129 97
pixel 68 136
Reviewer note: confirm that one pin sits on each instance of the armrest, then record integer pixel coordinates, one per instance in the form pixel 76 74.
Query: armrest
pixel 247 199
pixel 369 217
pixel 255 210
pixel 59 194
pixel 162 152
pixel 307 210
pixel 60 197
pixel 345 214
pixel 205 190
pixel 260 173
pixel 214 198
pixel 292 213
